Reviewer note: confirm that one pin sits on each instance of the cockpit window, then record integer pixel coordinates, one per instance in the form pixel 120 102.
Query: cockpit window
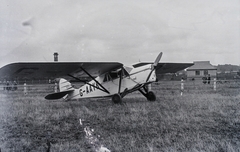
pixel 115 74
pixel 128 69
pixel 125 73
pixel 107 77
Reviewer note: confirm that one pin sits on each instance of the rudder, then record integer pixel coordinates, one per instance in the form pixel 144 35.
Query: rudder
pixel 64 85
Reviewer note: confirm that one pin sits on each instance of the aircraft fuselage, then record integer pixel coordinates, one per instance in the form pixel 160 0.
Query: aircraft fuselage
pixel 137 77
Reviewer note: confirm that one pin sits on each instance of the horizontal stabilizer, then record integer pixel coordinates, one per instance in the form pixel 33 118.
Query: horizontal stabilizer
pixel 58 95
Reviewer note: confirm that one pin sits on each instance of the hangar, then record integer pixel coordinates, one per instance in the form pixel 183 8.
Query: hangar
pixel 201 69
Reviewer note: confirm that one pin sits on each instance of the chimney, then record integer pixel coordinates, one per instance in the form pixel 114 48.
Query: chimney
pixel 55 56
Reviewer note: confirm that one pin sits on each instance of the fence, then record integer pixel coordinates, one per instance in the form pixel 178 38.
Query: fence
pixel 181 86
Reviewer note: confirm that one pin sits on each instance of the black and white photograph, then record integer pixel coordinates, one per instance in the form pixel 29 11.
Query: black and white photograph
pixel 119 76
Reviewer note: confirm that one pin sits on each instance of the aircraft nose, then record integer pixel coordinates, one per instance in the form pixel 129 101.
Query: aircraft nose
pixel 154 77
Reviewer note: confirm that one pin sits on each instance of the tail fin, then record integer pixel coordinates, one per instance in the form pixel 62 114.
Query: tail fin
pixel 64 85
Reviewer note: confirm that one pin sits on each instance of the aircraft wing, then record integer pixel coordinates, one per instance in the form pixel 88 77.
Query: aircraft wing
pixel 46 70
pixel 163 68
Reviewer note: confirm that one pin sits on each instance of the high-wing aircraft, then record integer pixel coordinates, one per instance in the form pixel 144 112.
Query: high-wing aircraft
pixel 108 79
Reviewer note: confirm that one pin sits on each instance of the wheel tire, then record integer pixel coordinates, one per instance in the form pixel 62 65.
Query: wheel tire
pixel 151 96
pixel 116 98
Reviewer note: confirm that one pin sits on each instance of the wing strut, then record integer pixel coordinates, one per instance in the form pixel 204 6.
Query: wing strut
pixel 120 81
pixel 102 87
pixel 86 83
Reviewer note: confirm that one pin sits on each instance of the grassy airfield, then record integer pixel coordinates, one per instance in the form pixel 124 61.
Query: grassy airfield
pixel 200 120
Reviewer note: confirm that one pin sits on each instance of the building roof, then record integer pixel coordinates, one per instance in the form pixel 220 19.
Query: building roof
pixel 202 65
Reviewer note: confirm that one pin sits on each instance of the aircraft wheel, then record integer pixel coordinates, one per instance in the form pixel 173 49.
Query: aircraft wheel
pixel 116 98
pixel 151 96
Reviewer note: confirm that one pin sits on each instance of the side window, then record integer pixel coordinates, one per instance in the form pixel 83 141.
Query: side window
pixel 106 77
pixel 114 75
pixel 197 72
pixel 205 72
pixel 125 73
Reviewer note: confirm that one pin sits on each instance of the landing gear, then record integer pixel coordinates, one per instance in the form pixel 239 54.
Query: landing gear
pixel 116 98
pixel 148 94
pixel 151 96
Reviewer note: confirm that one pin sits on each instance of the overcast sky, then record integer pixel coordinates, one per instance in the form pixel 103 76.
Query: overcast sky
pixel 125 31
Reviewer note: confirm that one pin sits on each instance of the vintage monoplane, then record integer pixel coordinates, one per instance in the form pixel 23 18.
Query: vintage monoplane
pixel 108 79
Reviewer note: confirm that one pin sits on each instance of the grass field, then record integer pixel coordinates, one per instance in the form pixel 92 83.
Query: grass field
pixel 200 120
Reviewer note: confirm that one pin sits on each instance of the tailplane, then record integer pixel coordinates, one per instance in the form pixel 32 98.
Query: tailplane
pixel 58 95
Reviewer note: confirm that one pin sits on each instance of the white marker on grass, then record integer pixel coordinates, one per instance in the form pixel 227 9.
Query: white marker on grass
pixel 92 139
pixel 80 122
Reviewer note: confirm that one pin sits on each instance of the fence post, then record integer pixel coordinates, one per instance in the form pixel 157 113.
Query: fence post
pixel 182 87
pixel 214 84
pixel 25 88
pixel 55 87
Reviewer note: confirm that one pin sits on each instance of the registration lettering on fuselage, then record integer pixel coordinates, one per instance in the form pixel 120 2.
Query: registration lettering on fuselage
pixel 88 89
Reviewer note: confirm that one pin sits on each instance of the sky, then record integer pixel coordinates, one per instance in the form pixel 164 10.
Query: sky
pixel 126 31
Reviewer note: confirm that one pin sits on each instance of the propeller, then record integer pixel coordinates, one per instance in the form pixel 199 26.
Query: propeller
pixel 154 65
